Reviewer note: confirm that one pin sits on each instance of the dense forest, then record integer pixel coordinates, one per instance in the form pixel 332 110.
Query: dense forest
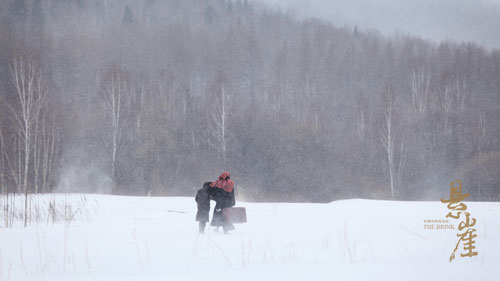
pixel 156 97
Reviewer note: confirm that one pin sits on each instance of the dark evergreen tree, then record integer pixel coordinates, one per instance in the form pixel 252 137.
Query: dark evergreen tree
pixel 37 16
pixel 18 11
pixel 210 14
pixel 128 18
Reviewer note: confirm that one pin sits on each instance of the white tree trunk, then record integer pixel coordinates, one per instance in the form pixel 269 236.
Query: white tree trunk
pixel 115 106
pixel 28 82
pixel 219 125
pixel 387 137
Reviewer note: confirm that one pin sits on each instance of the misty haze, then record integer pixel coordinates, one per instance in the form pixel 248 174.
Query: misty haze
pixel 144 122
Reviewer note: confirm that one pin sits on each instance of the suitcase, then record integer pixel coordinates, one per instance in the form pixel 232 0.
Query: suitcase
pixel 234 215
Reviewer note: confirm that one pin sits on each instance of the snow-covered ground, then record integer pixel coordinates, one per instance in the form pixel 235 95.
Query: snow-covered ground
pixel 155 238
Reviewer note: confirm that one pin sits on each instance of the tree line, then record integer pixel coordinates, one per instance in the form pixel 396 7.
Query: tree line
pixel 156 97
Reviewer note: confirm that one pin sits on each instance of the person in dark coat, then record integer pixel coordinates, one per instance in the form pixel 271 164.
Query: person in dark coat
pixel 222 192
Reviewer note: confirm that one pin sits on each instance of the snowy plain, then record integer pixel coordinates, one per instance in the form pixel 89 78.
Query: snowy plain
pixel 155 238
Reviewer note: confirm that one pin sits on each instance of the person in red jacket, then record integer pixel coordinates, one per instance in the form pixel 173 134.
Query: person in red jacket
pixel 222 192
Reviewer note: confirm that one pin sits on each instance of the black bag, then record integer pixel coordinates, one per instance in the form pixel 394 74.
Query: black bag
pixel 218 218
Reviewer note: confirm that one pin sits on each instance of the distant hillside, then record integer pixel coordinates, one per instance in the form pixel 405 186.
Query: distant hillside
pixel 459 20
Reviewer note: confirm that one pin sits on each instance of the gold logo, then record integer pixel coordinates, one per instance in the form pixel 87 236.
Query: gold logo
pixel 466 233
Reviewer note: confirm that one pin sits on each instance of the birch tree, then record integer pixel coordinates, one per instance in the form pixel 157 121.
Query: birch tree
pixel 419 83
pixel 31 97
pixel 395 156
pixel 219 119
pixel 115 93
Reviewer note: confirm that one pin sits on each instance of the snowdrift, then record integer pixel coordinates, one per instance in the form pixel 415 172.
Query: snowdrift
pixel 99 237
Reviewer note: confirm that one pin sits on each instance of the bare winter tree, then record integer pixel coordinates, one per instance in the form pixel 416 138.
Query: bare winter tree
pixel 453 104
pixel 360 125
pixel 115 93
pixel 8 198
pixel 482 130
pixel 219 119
pixel 5 195
pixel 395 156
pixel 48 147
pixel 419 86
pixel 31 97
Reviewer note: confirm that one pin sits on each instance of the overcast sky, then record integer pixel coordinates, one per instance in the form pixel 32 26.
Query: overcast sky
pixel 458 20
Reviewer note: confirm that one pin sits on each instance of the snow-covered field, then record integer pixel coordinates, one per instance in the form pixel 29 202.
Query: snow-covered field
pixel 155 238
